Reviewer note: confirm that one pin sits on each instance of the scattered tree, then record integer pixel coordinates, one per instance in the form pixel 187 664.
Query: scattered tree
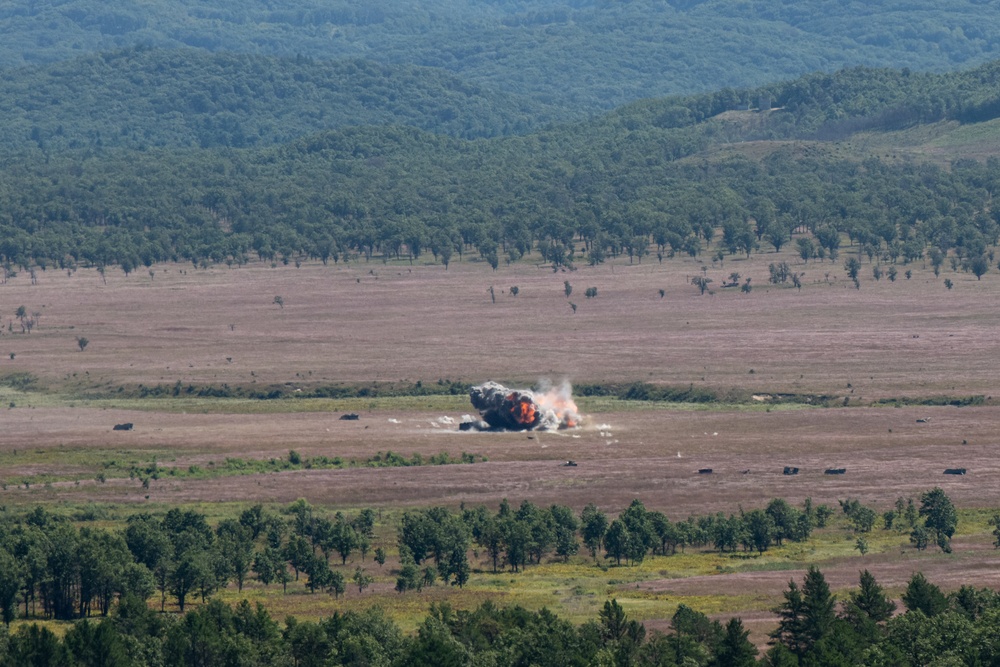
pixel 362 579
pixel 594 525
pixel 807 249
pixel 940 516
pixel 853 267
pixel 861 545
pixel 701 282
pixel 979 266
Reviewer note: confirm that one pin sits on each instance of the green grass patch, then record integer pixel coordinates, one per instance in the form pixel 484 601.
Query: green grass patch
pixel 239 406
pixel 101 465
pixel 970 133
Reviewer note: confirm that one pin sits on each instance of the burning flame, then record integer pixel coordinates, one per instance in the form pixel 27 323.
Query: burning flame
pixel 523 410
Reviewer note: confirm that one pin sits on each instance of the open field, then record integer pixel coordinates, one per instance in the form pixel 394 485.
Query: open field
pixel 362 323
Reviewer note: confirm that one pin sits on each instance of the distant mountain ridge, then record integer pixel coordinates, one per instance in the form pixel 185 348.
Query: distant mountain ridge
pixel 579 55
pixel 145 97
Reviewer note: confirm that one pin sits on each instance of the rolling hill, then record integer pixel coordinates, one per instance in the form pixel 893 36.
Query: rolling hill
pixel 143 98
pixel 580 55
pixel 705 174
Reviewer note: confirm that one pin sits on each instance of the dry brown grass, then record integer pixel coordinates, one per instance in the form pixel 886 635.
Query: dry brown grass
pixel 221 326
pixel 372 322
pixel 375 322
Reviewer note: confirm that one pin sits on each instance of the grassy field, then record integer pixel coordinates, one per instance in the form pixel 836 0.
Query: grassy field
pixel 373 325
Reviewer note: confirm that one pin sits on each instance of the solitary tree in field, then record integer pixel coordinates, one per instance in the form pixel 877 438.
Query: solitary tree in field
pixel 979 266
pixel 701 282
pixel 280 301
pixel 939 516
pixel 567 288
pixel 82 343
pixel 861 545
pixel 362 579
pixel 995 522
pixel 806 248
pixel 852 266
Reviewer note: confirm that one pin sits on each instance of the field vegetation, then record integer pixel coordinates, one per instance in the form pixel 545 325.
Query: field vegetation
pixel 747 414
pixel 243 298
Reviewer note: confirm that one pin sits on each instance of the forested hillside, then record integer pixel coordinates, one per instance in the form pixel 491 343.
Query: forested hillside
pixel 581 55
pixel 633 183
pixel 141 97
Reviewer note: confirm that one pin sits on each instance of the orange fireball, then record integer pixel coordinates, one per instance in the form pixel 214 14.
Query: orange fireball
pixel 523 409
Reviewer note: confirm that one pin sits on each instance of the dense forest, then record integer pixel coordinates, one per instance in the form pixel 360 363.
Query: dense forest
pixel 52 566
pixel 636 182
pixel 190 98
pixel 581 55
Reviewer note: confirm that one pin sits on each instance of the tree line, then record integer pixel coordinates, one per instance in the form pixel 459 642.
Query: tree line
pixel 50 568
pixel 813 628
pixel 611 188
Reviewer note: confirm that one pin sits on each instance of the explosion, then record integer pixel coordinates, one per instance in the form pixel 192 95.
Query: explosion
pixel 523 409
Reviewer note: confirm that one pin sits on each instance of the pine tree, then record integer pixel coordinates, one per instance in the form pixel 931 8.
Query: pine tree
pixel 871 599
pixel 735 649
pixel 818 606
pixel 790 621
pixel 807 614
